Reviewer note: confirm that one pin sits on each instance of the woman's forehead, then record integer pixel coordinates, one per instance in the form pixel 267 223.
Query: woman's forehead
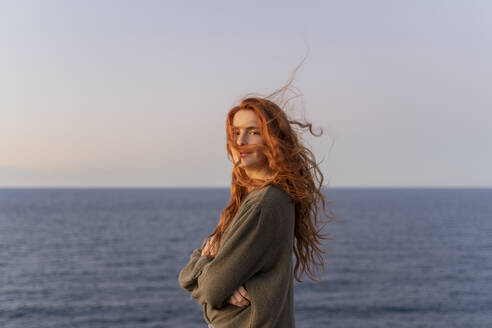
pixel 244 119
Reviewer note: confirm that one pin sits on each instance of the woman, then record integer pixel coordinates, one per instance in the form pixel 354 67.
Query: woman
pixel 242 275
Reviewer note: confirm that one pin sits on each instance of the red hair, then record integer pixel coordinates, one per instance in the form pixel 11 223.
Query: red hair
pixel 293 168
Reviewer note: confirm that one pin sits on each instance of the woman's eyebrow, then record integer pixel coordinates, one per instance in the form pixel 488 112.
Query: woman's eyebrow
pixel 247 128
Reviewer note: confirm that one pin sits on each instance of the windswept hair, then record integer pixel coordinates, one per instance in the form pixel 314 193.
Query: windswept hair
pixel 293 168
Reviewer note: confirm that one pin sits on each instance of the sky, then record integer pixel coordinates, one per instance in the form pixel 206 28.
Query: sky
pixel 135 93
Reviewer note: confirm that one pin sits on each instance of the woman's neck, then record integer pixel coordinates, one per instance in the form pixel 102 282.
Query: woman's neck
pixel 259 176
pixel 262 174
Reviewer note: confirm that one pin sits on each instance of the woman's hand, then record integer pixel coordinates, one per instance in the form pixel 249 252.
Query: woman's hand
pixel 208 250
pixel 240 297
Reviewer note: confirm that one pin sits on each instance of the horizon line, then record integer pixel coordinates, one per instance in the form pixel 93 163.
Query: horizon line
pixel 228 187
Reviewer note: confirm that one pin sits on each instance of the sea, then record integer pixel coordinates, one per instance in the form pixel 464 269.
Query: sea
pixel 110 258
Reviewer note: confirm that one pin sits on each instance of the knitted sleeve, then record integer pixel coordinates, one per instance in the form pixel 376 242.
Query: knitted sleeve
pixel 243 254
pixel 188 276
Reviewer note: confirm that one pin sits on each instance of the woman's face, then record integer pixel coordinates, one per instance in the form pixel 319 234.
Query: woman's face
pixel 246 131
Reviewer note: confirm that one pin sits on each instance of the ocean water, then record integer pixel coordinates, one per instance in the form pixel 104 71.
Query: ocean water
pixel 110 258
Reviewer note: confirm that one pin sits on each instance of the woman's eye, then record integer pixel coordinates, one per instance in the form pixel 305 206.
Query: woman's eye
pixel 254 132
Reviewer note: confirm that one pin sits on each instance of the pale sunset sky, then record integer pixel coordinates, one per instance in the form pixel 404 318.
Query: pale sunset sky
pixel 135 93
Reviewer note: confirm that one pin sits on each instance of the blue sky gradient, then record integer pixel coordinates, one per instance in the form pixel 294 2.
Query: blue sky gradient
pixel 135 93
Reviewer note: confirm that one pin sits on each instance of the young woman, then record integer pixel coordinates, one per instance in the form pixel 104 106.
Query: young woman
pixel 242 275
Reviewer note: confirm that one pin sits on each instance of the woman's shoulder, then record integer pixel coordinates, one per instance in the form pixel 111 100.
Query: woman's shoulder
pixel 271 195
pixel 270 202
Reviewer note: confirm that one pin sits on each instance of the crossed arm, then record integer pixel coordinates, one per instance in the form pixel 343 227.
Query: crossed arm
pixel 250 244
pixel 240 296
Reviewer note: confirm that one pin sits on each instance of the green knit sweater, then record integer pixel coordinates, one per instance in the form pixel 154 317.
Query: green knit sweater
pixel 255 251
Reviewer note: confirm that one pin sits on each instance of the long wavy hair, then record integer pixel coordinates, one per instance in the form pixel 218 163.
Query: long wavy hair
pixel 293 168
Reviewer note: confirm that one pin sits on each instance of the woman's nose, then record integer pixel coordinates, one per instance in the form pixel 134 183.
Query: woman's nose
pixel 242 139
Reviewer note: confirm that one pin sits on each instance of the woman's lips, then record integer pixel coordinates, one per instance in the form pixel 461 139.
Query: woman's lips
pixel 244 154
